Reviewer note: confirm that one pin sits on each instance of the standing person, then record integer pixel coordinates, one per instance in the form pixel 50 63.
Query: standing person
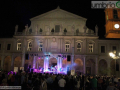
pixel 94 83
pixel 61 83
pixel 77 86
pixel 111 87
pixel 43 85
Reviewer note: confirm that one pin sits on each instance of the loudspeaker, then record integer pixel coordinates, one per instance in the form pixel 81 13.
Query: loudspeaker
pixel 27 56
pixel 68 57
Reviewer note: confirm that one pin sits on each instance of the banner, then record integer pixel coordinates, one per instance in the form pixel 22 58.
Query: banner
pixel 72 72
pixel 22 68
pixel 15 69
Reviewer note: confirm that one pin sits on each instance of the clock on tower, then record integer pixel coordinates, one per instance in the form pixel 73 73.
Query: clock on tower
pixel 112 26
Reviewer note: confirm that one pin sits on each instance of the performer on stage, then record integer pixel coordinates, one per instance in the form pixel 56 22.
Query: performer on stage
pixel 39 68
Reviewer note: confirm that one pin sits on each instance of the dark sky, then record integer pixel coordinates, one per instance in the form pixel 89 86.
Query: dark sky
pixel 19 12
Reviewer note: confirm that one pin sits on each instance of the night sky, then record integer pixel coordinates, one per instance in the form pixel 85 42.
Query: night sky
pixel 19 12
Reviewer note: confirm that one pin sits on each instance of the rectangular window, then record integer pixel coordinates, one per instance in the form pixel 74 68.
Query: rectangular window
pixel 90 48
pixel 102 49
pixel 115 14
pixel 57 28
pixel 18 46
pixel 114 48
pixel 8 46
pixel 40 48
pixel 67 47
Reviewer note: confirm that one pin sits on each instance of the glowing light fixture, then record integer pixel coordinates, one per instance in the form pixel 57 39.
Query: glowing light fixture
pixel 116 26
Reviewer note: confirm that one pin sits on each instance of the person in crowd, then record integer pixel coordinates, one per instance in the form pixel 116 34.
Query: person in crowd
pixel 111 87
pixel 77 86
pixel 43 85
pixel 100 81
pixel 115 79
pixel 94 83
pixel 4 82
pixel 61 83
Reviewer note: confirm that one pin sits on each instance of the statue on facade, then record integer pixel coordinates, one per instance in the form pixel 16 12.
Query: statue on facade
pixel 36 30
pixel 60 28
pixel 26 28
pixel 85 28
pixel 48 29
pixel 73 28
pixel 16 28
pixel 96 30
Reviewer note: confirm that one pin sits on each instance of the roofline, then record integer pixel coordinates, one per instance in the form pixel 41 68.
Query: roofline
pixel 57 10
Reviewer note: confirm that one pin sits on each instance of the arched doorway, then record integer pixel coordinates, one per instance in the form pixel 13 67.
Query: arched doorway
pixel 78 65
pixel 52 62
pixel 102 67
pixel 18 62
pixel 90 67
pixel 7 64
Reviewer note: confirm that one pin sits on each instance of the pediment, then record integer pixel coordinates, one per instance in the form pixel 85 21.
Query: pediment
pixel 57 14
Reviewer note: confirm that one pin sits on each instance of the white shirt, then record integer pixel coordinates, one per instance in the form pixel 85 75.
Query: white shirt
pixel 62 83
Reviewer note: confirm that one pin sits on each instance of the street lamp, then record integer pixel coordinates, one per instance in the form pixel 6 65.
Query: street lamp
pixel 114 56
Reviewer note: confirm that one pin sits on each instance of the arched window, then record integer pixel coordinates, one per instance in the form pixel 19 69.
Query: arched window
pixel 29 46
pixel 18 46
pixel 67 46
pixel 40 48
pixel 78 47
pixel 90 47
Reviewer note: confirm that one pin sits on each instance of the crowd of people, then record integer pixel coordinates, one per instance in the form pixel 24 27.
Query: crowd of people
pixel 46 81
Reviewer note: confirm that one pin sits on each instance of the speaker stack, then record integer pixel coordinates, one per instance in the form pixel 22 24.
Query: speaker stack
pixel 68 57
pixel 27 56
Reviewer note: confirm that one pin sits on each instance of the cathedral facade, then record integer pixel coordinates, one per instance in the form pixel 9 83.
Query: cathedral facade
pixel 59 38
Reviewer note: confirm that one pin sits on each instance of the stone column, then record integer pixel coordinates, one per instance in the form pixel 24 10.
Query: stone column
pixel 84 65
pixel 12 62
pixel 2 61
pixel 108 64
pixel 96 66
pixel 34 61
pixel 60 62
pixel 46 63
pixel 72 61
pixel 23 59
pixel 23 53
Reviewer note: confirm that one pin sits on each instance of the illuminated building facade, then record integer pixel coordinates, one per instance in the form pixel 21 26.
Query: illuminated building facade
pixel 51 39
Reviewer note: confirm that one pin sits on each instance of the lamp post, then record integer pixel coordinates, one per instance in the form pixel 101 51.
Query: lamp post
pixel 115 57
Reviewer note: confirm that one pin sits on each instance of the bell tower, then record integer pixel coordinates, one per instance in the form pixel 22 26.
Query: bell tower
pixel 112 26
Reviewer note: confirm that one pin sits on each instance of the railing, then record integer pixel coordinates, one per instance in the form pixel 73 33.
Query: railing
pixel 53 34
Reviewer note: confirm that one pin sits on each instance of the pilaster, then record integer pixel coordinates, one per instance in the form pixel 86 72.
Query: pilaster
pixel 96 66
pixel 84 65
